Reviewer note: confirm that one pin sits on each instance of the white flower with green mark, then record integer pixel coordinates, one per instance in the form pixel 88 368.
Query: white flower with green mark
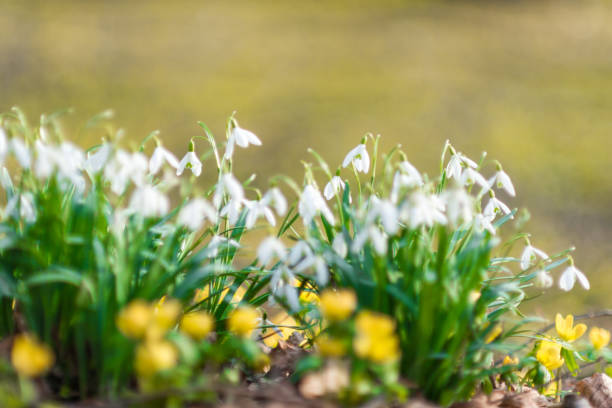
pixel 190 161
pixel 502 181
pixel 455 165
pixel 359 158
pixel 333 187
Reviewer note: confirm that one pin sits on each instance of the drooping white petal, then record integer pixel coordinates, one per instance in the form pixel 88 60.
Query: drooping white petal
pixel 96 161
pixel 159 156
pixel 276 199
pixel 190 161
pixel 148 201
pixel 582 279
pixel 339 245
pixel 567 279
pixel 359 157
pixel 502 180
pixel 195 212
pixel 21 152
pixel 333 187
pixel 270 248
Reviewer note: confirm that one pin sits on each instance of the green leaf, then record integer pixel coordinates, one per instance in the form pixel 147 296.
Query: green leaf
pixel 570 361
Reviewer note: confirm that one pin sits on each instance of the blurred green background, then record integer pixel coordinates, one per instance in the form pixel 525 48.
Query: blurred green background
pixel 530 82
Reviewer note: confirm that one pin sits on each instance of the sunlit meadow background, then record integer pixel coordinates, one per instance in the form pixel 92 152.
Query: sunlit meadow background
pixel 530 82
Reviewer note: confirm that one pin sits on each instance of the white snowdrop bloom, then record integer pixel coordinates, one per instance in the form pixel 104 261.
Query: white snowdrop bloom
pixel 148 201
pixel 21 152
pixel 46 159
pixel 228 184
pixel 71 159
pixel 195 212
pixel 312 203
pixel 242 138
pixel 232 211
pixel 5 179
pixel 256 209
pixel 494 207
pixel 321 271
pixel 459 206
pixel 190 161
pixel 21 206
pixel 414 176
pixel 333 187
pixel 300 256
pixel 276 199
pixel 530 254
pixel 95 162
pixel 125 167
pixel 359 157
pixel 159 156
pixel 4 145
pixel 543 279
pixel 455 165
pixel 484 222
pixel 217 242
pixel 569 276
pixel 269 249
pixel 339 245
pixel 373 235
pixel 502 180
pixel 44 133
pixel 423 209
pixel 386 211
pixel 470 177
pixel 282 286
pixel 119 221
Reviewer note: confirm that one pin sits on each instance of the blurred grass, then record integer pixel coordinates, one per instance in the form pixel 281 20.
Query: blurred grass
pixel 528 81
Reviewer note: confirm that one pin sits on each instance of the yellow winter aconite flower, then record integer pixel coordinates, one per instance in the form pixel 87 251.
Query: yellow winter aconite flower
pixel 329 346
pixel 135 318
pixel 566 329
pixel 338 305
pixel 197 325
pixel 599 337
pixel 154 356
pixel 376 339
pixel 243 320
pixel 510 361
pixel 166 313
pixel 549 354
pixel 493 334
pixel 30 357
pixel 309 296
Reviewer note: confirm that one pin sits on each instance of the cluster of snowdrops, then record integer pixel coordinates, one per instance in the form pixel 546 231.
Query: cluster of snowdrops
pixel 116 266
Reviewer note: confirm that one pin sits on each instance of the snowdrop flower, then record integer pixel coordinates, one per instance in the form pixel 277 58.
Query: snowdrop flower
pixel 71 160
pixel 470 177
pixel 502 180
pixel 282 286
pixel 300 256
pixel 4 145
pixel 569 276
pixel 333 187
pixel 217 242
pixel 149 202
pixel 96 161
pixel 21 206
pixel 339 245
pixel 455 165
pixel 256 209
pixel 125 167
pixel 530 254
pixel 373 235
pixel 543 279
pixel 21 152
pixel 5 180
pixel 459 206
pixel 494 207
pixel 276 199
pixel 311 203
pixel 190 161
pixel 385 211
pixel 195 212
pixel 270 248
pixel 359 158
pixel 159 156
pixel 45 160
pixel 242 138
pixel 484 222
pixel 228 184
pixel 423 209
